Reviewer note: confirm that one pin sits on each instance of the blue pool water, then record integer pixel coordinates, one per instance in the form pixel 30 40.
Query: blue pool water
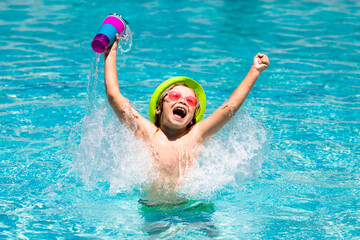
pixel 287 167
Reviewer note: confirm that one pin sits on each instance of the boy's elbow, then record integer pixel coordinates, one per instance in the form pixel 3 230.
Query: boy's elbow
pixel 112 96
pixel 113 99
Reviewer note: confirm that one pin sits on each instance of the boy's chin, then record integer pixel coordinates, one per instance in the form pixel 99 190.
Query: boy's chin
pixel 179 123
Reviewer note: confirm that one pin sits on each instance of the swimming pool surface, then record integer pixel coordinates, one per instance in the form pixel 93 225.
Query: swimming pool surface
pixel 287 167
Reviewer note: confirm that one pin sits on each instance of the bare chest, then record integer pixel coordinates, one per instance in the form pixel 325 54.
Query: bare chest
pixel 173 158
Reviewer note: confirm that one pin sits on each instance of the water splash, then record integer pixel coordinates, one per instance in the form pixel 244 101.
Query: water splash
pixel 228 160
pixel 107 152
pixel 125 41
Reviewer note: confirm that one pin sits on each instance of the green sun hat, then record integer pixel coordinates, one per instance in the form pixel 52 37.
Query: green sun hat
pixel 188 82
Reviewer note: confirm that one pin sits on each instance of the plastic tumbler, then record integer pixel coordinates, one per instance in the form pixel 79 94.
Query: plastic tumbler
pixel 106 35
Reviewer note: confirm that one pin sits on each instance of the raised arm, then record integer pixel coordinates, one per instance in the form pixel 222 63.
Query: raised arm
pixel 121 106
pixel 222 115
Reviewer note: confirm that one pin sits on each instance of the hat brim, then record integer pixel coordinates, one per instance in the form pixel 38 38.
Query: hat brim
pixel 188 82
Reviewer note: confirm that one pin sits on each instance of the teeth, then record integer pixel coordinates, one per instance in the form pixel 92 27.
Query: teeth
pixel 179 111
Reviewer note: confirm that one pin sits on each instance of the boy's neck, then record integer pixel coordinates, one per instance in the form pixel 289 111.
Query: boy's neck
pixel 173 134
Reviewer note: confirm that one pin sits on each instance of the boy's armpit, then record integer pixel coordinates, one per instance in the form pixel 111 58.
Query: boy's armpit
pixel 129 116
pixel 144 129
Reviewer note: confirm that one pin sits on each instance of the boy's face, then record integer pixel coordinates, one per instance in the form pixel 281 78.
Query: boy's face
pixel 178 114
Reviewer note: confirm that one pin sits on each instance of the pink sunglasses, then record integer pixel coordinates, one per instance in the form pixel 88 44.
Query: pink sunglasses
pixel 176 96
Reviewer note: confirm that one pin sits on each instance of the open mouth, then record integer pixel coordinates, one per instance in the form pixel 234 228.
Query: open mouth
pixel 179 112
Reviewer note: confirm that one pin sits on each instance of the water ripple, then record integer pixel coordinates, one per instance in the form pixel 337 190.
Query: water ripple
pixel 308 99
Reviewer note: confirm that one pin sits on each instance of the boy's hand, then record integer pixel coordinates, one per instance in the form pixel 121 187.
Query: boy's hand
pixel 113 47
pixel 261 62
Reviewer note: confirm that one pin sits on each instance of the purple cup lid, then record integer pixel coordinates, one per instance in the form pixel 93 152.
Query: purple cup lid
pixel 100 43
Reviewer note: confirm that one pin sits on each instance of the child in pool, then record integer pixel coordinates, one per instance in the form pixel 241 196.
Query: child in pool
pixel 176 108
